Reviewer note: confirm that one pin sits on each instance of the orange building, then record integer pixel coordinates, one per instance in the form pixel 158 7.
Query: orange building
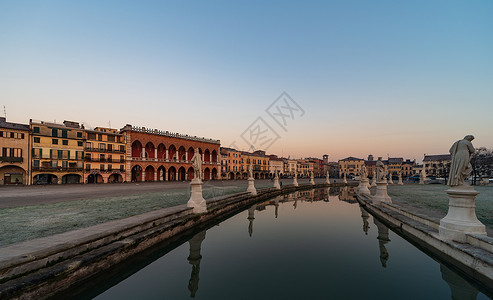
pixel 234 163
pixel 104 156
pixel 14 162
pixel 155 155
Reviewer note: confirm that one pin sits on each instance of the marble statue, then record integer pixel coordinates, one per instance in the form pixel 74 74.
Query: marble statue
pixel 197 164
pixel 380 170
pixel 250 171
pixel 460 168
pixel 363 173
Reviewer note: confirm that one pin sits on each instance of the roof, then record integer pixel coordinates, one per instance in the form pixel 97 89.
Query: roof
pixel 9 125
pixel 395 160
pixel 350 158
pixel 370 162
pixel 437 157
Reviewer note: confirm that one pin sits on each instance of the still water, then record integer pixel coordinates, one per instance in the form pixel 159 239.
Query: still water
pixel 306 245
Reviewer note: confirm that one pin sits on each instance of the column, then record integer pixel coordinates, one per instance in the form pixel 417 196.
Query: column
pixel 186 156
pixel 143 152
pixel 166 174
pixel 155 153
pixel 167 154
pixel 143 175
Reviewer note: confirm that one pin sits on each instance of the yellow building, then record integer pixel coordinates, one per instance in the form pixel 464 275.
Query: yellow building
pixel 14 159
pixel 351 166
pixel 259 162
pixel 57 152
pixel 104 156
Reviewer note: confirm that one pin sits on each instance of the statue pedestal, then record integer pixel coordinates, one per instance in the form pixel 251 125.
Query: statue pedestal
pixel 295 181
pixel 277 186
pixel 381 194
pixel 197 201
pixel 312 182
pixel 363 187
pixel 251 186
pixel 461 217
pixel 421 181
pixel 400 181
pixel 327 180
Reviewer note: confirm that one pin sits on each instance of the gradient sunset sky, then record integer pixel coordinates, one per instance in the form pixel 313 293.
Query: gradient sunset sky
pixel 402 78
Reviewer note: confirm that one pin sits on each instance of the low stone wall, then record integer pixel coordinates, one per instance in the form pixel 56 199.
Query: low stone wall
pixel 47 266
pixel 474 258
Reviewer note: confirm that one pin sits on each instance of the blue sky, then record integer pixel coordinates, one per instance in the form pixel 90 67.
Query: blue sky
pixel 383 77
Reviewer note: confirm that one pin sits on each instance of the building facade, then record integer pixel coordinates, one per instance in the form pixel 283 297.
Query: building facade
pixel 155 155
pixel 259 162
pixel 57 152
pixel 276 164
pixel 437 165
pixel 234 169
pixel 14 162
pixel 350 166
pixel 104 160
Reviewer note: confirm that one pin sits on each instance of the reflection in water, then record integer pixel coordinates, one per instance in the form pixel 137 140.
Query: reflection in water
pixel 348 194
pixel 460 288
pixel 251 217
pixel 365 216
pixel 194 259
pixel 383 238
pixel 335 215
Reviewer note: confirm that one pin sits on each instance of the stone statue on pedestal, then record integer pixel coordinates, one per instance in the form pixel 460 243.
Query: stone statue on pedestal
pixel 380 170
pixel 460 168
pixel 461 218
pixel 197 164
pixel 250 171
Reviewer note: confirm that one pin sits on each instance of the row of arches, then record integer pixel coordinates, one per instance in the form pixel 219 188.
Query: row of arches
pixel 244 175
pixel 47 178
pixel 171 152
pixel 171 174
pixel 98 178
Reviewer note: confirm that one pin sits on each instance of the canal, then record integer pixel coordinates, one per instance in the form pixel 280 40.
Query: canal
pixel 315 244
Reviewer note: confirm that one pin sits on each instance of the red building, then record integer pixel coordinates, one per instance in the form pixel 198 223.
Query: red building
pixel 155 155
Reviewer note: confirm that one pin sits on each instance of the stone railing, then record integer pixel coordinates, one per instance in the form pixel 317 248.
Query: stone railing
pixel 171 134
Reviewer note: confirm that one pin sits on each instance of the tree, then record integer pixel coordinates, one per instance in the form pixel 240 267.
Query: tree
pixel 482 163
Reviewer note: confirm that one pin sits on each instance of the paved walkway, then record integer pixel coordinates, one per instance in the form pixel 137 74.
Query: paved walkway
pixel 17 196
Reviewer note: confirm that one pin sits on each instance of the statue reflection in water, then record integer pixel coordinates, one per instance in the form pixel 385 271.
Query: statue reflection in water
pixel 459 287
pixel 251 217
pixel 194 259
pixel 365 216
pixel 383 238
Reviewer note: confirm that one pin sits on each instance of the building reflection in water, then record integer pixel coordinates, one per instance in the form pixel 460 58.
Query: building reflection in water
pixel 251 217
pixel 194 259
pixel 365 216
pixel 383 238
pixel 459 287
pixel 348 194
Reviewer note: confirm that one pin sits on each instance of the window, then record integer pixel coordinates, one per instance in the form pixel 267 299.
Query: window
pixel 110 147
pixel 109 158
pixel 54 163
pixel 102 146
pixel 36 129
pixel 54 132
pixel 100 137
pixel 64 164
pixel 36 139
pixel 110 168
pixel 88 167
pixel 79 134
pixel 101 167
pixel 36 163
pixel 59 153
pixel 79 143
pixel 54 141
pixel 111 138
pixel 64 133
pixel 64 142
pixel 91 136
pixel 122 168
pixel 122 159
pixel 122 148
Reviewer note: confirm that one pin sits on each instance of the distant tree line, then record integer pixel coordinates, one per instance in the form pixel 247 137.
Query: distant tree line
pixel 482 163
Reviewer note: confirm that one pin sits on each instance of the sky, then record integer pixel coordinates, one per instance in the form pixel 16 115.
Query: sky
pixel 398 78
